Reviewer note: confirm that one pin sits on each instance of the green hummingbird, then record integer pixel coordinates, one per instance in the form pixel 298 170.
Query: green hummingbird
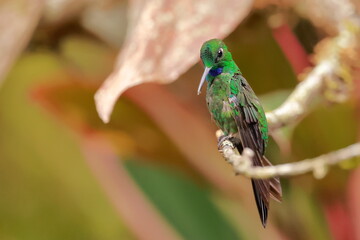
pixel 238 113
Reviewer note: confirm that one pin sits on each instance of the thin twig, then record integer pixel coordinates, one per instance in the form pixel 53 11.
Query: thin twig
pixel 243 163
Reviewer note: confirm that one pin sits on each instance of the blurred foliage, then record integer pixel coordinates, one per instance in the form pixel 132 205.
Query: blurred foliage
pixel 194 217
pixel 49 192
pixel 259 56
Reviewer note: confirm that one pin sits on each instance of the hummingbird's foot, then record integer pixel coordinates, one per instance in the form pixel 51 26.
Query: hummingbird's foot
pixel 223 141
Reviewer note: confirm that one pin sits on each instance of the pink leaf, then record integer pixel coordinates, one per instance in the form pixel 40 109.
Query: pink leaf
pixel 339 222
pixel 291 47
pixel 18 19
pixel 353 198
pixel 165 41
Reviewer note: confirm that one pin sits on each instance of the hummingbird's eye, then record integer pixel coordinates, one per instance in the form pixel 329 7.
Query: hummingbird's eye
pixel 220 53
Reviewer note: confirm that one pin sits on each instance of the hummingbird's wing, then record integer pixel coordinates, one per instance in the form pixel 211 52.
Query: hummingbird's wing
pixel 252 126
pixel 247 108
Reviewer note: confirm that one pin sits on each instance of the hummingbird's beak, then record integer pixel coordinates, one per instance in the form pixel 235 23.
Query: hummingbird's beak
pixel 206 71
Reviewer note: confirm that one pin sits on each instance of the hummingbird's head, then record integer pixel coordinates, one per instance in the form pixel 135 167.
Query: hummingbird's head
pixel 214 54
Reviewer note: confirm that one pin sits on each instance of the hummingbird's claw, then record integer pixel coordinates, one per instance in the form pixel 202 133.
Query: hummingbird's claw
pixel 224 140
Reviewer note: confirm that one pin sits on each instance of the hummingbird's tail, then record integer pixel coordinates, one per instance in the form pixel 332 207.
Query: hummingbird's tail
pixel 275 186
pixel 263 190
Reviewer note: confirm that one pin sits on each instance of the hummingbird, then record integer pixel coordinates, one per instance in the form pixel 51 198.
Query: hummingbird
pixel 237 111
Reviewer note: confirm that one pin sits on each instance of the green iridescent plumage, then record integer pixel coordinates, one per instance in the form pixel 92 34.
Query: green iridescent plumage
pixel 238 113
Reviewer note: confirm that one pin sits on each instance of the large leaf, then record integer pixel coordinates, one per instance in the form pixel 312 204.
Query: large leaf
pixel 165 41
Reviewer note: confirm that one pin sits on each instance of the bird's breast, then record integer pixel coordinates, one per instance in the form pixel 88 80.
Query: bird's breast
pixel 220 109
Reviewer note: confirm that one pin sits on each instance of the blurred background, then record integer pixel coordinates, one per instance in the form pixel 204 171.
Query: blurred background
pixel 154 172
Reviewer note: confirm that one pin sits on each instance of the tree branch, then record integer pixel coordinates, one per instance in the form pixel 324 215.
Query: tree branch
pixel 332 56
pixel 337 59
pixel 297 104
pixel 242 164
